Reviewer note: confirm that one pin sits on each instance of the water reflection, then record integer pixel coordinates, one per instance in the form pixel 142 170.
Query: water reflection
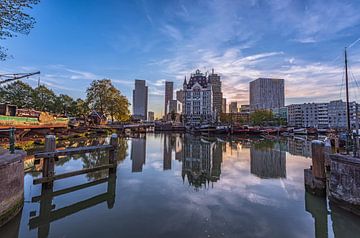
pixel 268 159
pixel 177 186
pixel 138 153
pixel 47 209
pixel 202 160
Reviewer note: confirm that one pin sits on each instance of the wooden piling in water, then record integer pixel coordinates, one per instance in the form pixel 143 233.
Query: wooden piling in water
pixel 49 164
pixel 315 177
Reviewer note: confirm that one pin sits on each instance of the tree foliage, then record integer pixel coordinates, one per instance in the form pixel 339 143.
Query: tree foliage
pixel 103 97
pixel 14 20
pixel 18 93
pixel 261 117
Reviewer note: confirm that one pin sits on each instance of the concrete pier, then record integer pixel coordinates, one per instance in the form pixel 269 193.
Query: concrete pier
pixel 11 184
pixel 344 184
pixel 315 177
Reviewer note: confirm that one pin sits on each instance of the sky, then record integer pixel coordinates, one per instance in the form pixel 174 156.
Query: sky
pixel 301 41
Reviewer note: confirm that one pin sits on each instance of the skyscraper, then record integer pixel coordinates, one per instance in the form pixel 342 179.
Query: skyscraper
pixel 223 105
pixel 215 82
pixel 233 108
pixel 267 93
pixel 169 89
pixel 140 100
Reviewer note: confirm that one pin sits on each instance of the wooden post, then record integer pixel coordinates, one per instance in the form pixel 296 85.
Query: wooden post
pixel 318 159
pixel 114 141
pixel 49 163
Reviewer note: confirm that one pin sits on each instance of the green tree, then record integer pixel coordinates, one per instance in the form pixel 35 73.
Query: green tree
pixel 103 97
pixel 261 117
pixel 13 20
pixel 44 99
pixel 82 109
pixel 65 105
pixel 18 93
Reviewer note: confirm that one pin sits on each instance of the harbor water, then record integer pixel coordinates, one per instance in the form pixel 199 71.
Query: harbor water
pixel 179 185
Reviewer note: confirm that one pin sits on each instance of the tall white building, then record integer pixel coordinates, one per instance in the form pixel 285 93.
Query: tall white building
pixel 198 106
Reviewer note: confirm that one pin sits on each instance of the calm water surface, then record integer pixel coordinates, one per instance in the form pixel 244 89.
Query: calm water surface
pixel 171 185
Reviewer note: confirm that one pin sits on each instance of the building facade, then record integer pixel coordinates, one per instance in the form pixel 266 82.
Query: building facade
pixel 169 91
pixel 267 93
pixel 151 116
pixel 224 105
pixel 338 114
pixel 198 106
pixel 233 108
pixel 180 96
pixel 215 82
pixel 140 100
pixel 322 115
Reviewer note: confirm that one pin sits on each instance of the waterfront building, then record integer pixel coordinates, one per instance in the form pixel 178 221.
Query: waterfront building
pixel 151 116
pixel 140 100
pixel 338 114
pixel 215 82
pixel 198 106
pixel 175 106
pixel 223 105
pixel 174 111
pixel 267 93
pixel 169 91
pixel 180 96
pixel 233 108
pixel 245 108
pixel 322 115
pixel 281 112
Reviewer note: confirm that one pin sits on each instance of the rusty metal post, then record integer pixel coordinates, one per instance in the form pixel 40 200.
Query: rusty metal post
pixel 12 140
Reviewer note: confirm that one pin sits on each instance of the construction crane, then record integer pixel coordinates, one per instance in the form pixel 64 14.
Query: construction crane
pixel 12 77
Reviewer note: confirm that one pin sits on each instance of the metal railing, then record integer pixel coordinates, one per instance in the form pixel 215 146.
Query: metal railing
pixel 11 139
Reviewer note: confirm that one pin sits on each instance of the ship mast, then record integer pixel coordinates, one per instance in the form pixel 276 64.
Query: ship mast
pixel 347 94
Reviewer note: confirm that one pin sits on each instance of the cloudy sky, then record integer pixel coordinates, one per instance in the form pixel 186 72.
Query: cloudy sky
pixel 302 41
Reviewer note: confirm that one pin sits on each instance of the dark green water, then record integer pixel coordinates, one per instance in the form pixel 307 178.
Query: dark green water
pixel 184 186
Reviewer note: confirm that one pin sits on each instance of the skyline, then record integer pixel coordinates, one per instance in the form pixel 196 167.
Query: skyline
pixel 73 43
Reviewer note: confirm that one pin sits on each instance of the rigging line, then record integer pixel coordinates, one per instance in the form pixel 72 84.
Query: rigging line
pixel 354 43
pixel 342 83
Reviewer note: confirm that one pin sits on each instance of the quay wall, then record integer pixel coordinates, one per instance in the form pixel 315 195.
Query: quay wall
pixel 11 184
pixel 344 182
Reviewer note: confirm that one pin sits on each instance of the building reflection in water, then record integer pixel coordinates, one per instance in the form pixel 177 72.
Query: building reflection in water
pixel 299 146
pixel 49 214
pixel 268 159
pixel 138 153
pixel 202 161
pixel 167 152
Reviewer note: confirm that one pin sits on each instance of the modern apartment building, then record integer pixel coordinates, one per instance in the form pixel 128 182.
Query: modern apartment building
pixel 322 115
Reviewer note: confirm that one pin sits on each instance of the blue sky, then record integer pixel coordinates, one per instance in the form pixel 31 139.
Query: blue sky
pixel 75 42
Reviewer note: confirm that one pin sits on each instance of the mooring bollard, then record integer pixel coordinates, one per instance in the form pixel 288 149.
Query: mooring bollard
pixel 315 177
pixel 114 141
pixel 49 163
